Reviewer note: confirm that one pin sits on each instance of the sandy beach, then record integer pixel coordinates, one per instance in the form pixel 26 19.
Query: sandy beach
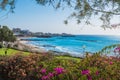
pixel 23 45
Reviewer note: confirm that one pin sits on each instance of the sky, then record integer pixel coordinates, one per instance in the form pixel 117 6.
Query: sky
pixel 29 15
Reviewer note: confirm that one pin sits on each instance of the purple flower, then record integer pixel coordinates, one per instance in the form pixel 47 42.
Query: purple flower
pixel 59 70
pixel 45 78
pixel 85 72
pixel 43 71
pixel 50 75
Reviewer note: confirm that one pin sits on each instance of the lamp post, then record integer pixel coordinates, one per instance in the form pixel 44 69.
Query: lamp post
pixel 84 47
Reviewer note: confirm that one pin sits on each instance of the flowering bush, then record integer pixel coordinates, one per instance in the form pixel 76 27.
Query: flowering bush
pixel 49 67
pixel 85 72
pixel 98 67
pixel 58 70
pixel 17 67
pixel 43 74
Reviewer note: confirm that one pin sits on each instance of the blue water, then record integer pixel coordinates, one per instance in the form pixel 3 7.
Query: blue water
pixel 77 44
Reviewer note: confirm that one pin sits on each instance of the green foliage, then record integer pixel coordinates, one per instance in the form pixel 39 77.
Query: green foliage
pixel 84 10
pixel 7 3
pixel 6 34
pixel 108 49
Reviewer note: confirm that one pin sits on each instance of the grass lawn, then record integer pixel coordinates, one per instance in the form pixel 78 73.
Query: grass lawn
pixel 11 51
pixel 14 51
pixel 67 58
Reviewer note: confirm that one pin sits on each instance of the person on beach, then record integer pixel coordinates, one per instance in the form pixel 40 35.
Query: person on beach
pixel 8 46
pixel 6 51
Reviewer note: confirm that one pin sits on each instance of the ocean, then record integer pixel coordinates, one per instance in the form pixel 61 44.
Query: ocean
pixel 77 44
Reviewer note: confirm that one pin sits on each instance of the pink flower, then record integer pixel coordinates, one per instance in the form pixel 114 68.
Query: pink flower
pixel 85 72
pixel 97 73
pixel 111 63
pixel 45 78
pixel 43 71
pixel 59 70
pixel 89 77
pixel 50 75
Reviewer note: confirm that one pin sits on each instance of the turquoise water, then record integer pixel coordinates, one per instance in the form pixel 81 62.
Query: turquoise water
pixel 77 44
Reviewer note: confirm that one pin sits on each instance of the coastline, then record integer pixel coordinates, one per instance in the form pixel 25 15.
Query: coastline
pixel 24 46
pixel 21 41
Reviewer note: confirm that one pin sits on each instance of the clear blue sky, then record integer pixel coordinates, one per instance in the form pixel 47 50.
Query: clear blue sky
pixel 36 18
